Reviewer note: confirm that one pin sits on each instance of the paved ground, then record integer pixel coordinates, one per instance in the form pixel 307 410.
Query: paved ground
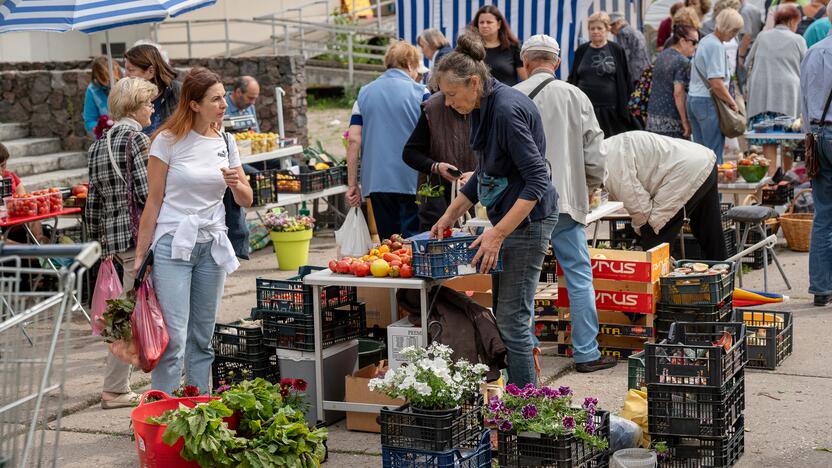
pixel 787 417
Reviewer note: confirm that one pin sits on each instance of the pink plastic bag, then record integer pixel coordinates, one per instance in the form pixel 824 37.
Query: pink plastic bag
pixel 107 286
pixel 149 330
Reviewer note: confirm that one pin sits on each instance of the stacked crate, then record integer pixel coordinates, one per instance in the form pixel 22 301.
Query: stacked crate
pixel 626 291
pixel 696 393
pixel 239 354
pixel 770 336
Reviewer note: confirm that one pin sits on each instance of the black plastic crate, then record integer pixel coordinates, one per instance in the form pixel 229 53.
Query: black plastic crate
pixel 5 187
pixel 702 289
pixel 635 371
pixel 305 182
pixel 691 411
pixel 408 428
pixel 777 194
pixel 667 314
pixel 477 455
pixel 549 269
pixel 755 259
pixel 446 258
pixel 692 356
pixel 622 234
pixel 238 340
pixel 770 336
pixel 228 371
pixel 263 187
pixel 694 252
pixel 699 452
pixel 534 450
pixel 335 176
pixel 295 330
pixel 293 296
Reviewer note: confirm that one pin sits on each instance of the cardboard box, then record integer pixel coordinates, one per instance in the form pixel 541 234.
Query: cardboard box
pixel 400 335
pixel 615 324
pixel 378 305
pixel 618 347
pixel 627 265
pixel 356 391
pixel 546 328
pixel 620 296
pixel 477 287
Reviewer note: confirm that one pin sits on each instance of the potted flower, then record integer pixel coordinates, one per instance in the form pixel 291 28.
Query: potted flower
pixel 291 236
pixel 442 409
pixel 540 426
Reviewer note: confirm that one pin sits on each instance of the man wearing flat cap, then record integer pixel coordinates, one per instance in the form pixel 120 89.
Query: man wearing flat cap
pixel 573 149
pixel 632 40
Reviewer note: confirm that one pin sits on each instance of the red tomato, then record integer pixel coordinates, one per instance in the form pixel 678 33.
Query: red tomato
pixel 448 232
pixel 406 271
pixel 361 269
pixel 388 257
pixel 333 266
pixel 343 267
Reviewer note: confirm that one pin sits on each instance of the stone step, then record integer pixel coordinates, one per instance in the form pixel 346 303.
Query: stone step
pixel 13 131
pixel 23 147
pixel 32 165
pixel 62 178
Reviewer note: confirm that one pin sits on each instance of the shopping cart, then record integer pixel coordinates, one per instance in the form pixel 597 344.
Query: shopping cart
pixel 34 343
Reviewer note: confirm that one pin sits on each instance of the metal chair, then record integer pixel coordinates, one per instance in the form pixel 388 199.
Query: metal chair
pixel 754 217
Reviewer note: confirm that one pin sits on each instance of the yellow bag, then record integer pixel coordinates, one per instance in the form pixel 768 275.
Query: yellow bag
pixel 635 409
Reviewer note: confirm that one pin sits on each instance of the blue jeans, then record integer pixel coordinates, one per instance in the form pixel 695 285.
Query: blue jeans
pixel 569 242
pixel 820 248
pixel 704 125
pixel 189 294
pixel 523 252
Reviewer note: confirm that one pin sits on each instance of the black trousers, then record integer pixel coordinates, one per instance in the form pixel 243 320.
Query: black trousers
pixel 705 223
pixel 395 213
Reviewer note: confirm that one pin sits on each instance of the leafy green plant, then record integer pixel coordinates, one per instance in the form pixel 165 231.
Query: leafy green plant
pixel 428 190
pixel 116 318
pixel 272 430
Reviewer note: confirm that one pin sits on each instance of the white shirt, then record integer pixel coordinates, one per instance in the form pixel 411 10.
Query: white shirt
pixel 192 208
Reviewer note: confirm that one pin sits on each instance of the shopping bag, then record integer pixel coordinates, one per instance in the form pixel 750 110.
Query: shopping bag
pixel 635 409
pixel 125 351
pixel 149 330
pixel 107 286
pixel 353 239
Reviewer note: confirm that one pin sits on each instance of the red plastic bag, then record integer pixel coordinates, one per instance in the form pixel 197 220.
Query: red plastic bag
pixel 149 330
pixel 107 286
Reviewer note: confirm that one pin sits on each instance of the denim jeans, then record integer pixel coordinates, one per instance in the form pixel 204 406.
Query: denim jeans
pixel 523 252
pixel 569 243
pixel 820 248
pixel 189 293
pixel 704 125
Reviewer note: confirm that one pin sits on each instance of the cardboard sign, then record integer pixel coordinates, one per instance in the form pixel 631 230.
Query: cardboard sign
pixel 626 265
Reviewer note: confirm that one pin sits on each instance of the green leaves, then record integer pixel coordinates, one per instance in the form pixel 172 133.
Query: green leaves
pixel 117 324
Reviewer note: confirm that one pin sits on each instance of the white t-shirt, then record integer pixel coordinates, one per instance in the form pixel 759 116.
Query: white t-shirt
pixel 194 188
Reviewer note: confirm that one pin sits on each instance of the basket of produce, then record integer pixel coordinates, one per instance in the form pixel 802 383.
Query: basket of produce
pixel 753 167
pixel 698 283
pixel 727 172
pixel 797 227
pixel 260 142
pixel 446 258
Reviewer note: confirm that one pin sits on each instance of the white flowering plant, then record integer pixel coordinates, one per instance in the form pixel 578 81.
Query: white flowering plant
pixel 430 379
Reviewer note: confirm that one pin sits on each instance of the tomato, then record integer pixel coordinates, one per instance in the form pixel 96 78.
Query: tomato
pixel 406 271
pixel 388 257
pixel 343 267
pixel 362 269
pixel 333 266
pixel 448 232
pixel 394 272
pixel 396 263
pixel 354 267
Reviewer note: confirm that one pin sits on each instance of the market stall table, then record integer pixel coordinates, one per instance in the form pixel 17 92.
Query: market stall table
pixel 281 153
pixel 323 278
pixel 780 137
pixel 743 188
pixel 7 223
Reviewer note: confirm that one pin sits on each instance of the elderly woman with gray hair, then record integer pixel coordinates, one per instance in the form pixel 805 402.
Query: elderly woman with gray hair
pixel 118 173
pixel 434 45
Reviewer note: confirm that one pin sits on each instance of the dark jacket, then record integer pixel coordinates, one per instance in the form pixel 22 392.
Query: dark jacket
pixel 163 106
pixel 622 77
pixel 467 327
pixel 441 53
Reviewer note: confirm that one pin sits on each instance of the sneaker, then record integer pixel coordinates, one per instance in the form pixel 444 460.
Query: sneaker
pixel 821 301
pixel 604 362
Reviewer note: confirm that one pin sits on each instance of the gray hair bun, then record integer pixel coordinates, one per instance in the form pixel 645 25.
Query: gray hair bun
pixel 471 44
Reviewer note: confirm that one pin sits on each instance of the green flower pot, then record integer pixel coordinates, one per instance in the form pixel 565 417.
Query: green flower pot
pixel 291 248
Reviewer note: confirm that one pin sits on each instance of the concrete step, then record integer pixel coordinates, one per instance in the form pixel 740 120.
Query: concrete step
pixel 62 178
pixel 32 165
pixel 13 131
pixel 23 147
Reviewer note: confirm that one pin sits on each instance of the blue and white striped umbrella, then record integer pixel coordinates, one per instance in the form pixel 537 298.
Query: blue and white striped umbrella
pixel 89 16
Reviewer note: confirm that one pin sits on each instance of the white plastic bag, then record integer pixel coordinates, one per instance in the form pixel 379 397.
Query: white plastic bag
pixel 353 238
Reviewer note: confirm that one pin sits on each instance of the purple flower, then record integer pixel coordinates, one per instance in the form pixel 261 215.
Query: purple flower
pixel 564 391
pixel 549 392
pixel 505 425
pixel 568 422
pixel 222 388
pixel 512 390
pixel 590 402
pixel 529 411
pixel 589 427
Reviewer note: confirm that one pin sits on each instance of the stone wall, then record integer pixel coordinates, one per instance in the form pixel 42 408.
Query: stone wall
pixel 51 96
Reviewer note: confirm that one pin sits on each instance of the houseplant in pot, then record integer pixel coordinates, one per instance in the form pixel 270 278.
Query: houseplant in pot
pixel 443 404
pixel 291 236
pixel 541 427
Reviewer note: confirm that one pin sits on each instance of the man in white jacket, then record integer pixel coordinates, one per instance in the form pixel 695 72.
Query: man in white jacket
pixel 573 148
pixel 660 180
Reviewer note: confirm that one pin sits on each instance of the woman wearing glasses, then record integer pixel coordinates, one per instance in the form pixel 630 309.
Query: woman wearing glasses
pixel 666 114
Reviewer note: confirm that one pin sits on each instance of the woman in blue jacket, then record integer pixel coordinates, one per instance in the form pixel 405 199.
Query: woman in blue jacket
pixel 95 100
pixel 512 181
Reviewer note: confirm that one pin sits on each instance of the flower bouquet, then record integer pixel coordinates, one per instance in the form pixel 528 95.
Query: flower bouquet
pixel 540 427
pixel 291 236
pixel 443 409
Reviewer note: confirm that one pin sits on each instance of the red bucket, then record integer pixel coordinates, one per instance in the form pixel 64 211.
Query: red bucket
pixel 153 452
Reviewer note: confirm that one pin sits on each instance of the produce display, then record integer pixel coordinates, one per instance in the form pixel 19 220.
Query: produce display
pixel 260 142
pixel 752 167
pixel 24 205
pixel 288 183
pixel 79 195
pixel 727 172
pixel 391 259
pixel 691 268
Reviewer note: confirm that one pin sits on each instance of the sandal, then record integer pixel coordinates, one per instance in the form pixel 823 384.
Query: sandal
pixel 124 400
